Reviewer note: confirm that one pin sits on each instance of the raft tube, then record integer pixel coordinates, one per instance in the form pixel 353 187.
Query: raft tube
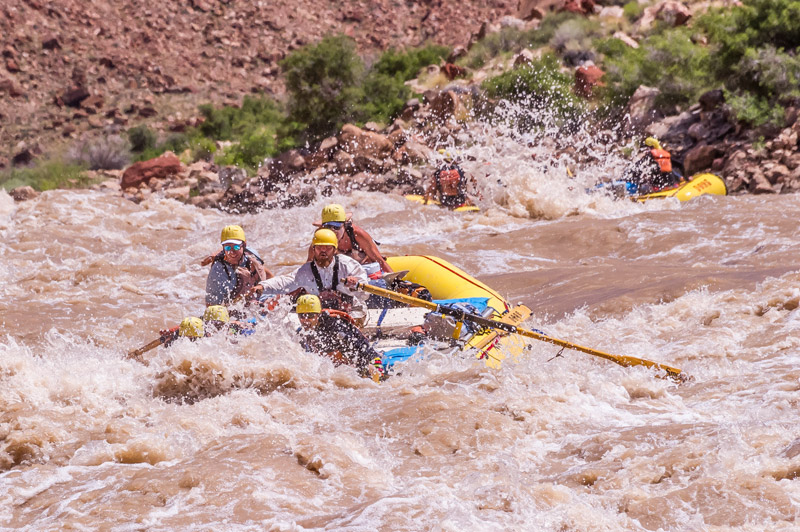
pixel 446 281
pixel 698 185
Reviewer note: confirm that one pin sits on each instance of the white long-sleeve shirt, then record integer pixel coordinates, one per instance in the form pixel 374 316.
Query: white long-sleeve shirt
pixel 304 277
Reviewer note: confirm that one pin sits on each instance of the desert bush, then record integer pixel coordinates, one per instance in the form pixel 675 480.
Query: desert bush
pixel 540 85
pixel 322 83
pixel 753 24
pixel 230 123
pixel 572 39
pixel 203 149
pixel 632 10
pixel 753 110
pixel 407 64
pixel 141 138
pixel 383 98
pixel 103 153
pixel 669 60
pixel 47 175
pixel 251 151
pixel 508 39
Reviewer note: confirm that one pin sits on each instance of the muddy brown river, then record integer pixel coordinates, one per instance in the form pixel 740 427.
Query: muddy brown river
pixel 260 435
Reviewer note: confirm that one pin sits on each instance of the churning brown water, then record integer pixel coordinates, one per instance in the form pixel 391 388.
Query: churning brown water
pixel 259 435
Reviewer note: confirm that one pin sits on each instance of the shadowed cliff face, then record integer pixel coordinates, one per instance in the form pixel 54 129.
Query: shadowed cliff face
pixel 72 66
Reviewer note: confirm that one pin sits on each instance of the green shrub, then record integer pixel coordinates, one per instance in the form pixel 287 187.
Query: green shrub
pixel 383 98
pixel 322 83
pixel 406 65
pixel 572 39
pixel 203 149
pixel 632 10
pixel 47 175
pixel 669 61
pixel 540 85
pixel 508 39
pixel 754 24
pixel 251 151
pixel 230 123
pixel 752 109
pixel 141 138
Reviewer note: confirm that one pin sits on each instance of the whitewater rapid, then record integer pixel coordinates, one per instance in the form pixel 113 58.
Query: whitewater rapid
pixel 259 435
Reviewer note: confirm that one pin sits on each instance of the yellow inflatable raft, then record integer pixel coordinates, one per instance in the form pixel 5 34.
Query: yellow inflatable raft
pixel 698 185
pixel 445 281
pixel 416 198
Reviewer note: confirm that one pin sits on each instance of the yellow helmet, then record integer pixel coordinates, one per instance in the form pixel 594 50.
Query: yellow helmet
pixel 447 155
pixel 652 142
pixel 231 233
pixel 325 237
pixel 309 304
pixel 191 328
pixel 333 213
pixel 216 313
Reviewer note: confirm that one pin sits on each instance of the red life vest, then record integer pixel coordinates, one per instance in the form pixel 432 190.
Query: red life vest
pixel 663 159
pixel 450 177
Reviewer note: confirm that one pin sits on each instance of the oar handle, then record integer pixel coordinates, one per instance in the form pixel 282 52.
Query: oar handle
pixel 626 361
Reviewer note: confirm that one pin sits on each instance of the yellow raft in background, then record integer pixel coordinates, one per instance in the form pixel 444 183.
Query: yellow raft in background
pixel 416 198
pixel 445 281
pixel 698 185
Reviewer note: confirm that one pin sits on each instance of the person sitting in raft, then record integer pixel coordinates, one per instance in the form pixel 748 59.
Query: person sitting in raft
pixel 449 185
pixel 216 318
pixel 330 276
pixel 334 334
pixel 653 170
pixel 236 271
pixel 353 240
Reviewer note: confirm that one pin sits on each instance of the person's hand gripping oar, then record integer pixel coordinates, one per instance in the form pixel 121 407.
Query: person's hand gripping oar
pixel 460 315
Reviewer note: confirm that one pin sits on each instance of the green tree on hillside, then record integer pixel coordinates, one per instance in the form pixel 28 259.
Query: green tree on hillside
pixel 322 82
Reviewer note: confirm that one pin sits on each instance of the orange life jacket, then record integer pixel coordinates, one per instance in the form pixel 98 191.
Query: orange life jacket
pixel 450 177
pixel 663 159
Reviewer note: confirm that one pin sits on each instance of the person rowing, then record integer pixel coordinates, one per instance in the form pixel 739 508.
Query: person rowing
pixel 334 334
pixel 215 319
pixel 236 271
pixel 353 240
pixel 449 184
pixel 653 170
pixel 330 276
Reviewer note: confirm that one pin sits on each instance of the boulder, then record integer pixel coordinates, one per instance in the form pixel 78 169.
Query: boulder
pixel 711 100
pixel 700 158
pixel 162 167
pixel 759 184
pixel 447 104
pixel 23 193
pixel 537 9
pixel 671 12
pixel 358 142
pixel 74 95
pixel 8 86
pixel 586 79
pixel 641 107
pixel 178 193
pixel 627 39
pixel 453 71
pixel 50 43
pixel 581 7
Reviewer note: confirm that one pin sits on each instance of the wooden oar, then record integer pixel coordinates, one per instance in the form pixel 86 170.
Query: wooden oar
pixel 136 354
pixel 626 361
